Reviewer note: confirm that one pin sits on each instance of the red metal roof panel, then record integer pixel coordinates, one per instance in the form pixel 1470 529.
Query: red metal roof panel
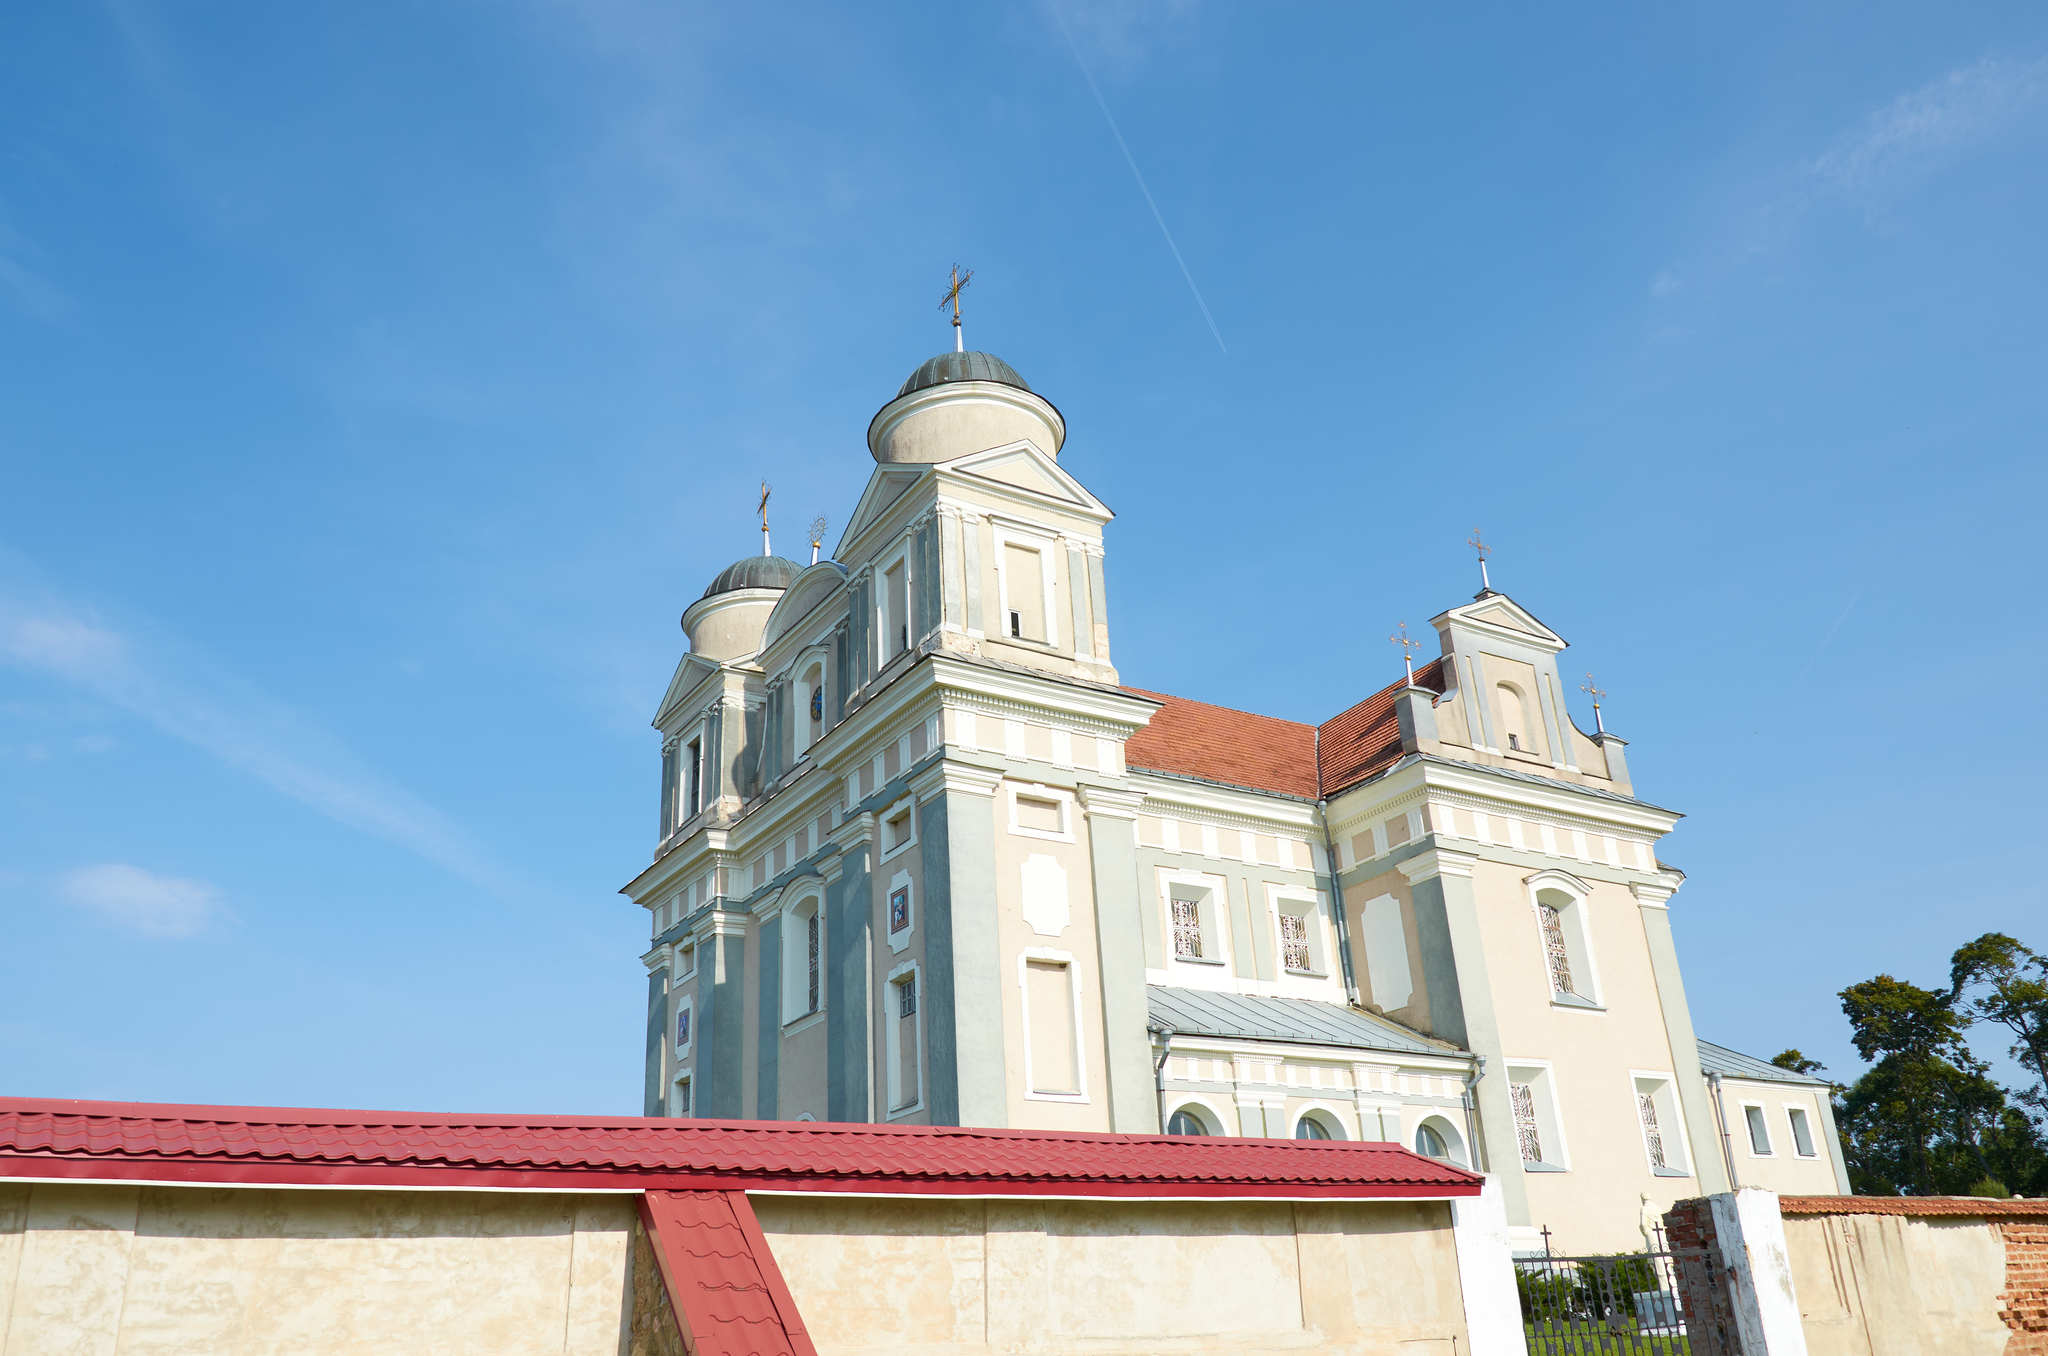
pixel 143 1141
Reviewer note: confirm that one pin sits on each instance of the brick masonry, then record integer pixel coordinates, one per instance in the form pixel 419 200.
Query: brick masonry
pixel 2023 1304
pixel 1709 1317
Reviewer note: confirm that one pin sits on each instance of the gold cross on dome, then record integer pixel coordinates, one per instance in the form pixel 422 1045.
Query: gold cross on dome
pixel 762 509
pixel 951 297
pixel 1483 550
pixel 1408 649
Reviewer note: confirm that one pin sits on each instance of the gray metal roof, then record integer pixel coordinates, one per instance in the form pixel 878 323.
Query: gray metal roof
pixel 755 572
pixel 1300 1021
pixel 1719 1059
pixel 970 366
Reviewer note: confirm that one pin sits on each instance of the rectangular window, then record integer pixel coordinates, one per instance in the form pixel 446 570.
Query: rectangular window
pixel 1187 928
pixel 899 909
pixel 686 961
pixel 1024 591
pixel 895 610
pixel 1802 1133
pixel 1294 948
pixel 1040 814
pixel 693 779
pixel 1053 1059
pixel 896 830
pixel 904 1082
pixel 668 792
pixel 682 1097
pixel 1759 1131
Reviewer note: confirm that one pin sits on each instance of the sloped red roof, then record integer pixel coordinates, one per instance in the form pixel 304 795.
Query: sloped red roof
pixel 1218 744
pixel 1264 753
pixel 728 1294
pixel 287 1146
pixel 1355 744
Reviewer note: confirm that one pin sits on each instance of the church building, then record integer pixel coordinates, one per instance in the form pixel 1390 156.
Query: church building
pixel 923 857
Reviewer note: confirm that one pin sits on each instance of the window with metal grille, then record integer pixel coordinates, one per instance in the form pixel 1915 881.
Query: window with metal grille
pixel 1646 1104
pixel 1294 948
pixel 682 1097
pixel 1524 1098
pixel 906 997
pixel 812 949
pixel 1555 950
pixel 1187 928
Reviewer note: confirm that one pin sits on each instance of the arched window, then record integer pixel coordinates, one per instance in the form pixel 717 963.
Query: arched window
pixel 1437 1138
pixel 1318 1125
pixel 803 959
pixel 1189 1120
pixel 1519 731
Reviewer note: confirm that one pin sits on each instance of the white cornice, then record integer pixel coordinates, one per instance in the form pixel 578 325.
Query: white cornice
pixel 1110 802
pixel 1224 806
pixel 1436 862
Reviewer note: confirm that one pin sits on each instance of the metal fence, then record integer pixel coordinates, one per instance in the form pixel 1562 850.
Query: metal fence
pixel 1625 1304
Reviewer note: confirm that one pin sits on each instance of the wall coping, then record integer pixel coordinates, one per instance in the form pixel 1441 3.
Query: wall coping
pixel 1964 1207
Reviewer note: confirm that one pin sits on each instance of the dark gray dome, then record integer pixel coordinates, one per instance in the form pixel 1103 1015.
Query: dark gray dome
pixel 969 366
pixel 755 572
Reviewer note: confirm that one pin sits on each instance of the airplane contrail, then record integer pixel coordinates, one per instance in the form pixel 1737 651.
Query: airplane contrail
pixel 1130 160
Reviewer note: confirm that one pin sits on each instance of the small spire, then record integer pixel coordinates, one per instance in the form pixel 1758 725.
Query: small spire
pixel 1483 550
pixel 762 509
pixel 817 535
pixel 1596 694
pixel 951 297
pixel 1408 649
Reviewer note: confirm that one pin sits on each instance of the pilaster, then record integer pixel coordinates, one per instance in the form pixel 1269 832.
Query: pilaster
pixel 1112 815
pixel 963 984
pixel 1653 899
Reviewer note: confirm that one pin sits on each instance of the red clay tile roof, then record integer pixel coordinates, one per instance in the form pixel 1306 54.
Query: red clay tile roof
pixel 1965 1206
pixel 150 1142
pixel 728 1294
pixel 1367 738
pixel 1218 744
pixel 1264 753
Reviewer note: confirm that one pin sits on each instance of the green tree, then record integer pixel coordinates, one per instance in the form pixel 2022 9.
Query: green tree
pixel 1926 1119
pixel 1996 979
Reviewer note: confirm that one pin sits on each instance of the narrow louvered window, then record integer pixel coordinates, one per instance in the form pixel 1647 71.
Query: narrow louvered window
pixel 1524 1098
pixel 812 949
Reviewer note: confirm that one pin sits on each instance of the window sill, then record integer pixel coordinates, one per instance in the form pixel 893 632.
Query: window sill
pixel 891 854
pixel 1572 1000
pixel 1668 1172
pixel 1196 960
pixel 1308 974
pixel 1544 1167
pixel 809 1019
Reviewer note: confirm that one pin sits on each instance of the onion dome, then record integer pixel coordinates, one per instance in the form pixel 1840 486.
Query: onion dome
pixel 970 366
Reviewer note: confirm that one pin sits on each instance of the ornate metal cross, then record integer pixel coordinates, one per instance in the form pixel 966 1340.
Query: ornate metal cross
pixel 1408 649
pixel 762 509
pixel 951 297
pixel 1485 584
pixel 1596 694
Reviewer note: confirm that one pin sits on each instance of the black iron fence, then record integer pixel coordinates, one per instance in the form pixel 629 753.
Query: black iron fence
pixel 1624 1304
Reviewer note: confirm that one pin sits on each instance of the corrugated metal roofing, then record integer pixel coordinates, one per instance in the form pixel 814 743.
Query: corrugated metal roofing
pixel 1302 1021
pixel 142 1141
pixel 1734 1064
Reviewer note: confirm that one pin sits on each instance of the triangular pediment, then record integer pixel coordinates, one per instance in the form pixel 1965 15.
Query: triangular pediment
pixel 693 670
pixel 887 485
pixel 1501 614
pixel 1023 466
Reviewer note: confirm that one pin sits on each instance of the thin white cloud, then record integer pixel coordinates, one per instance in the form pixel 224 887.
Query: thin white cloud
pixel 1914 132
pixel 142 901
pixel 185 696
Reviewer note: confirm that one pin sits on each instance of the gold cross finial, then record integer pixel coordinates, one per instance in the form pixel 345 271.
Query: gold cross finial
pixel 1483 550
pixel 1596 693
pixel 762 509
pixel 1408 649
pixel 951 297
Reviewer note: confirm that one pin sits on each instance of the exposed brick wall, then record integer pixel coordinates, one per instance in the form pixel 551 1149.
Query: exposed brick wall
pixel 2024 1302
pixel 1709 1317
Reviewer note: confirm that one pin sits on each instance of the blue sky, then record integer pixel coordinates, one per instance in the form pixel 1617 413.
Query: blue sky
pixel 378 384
